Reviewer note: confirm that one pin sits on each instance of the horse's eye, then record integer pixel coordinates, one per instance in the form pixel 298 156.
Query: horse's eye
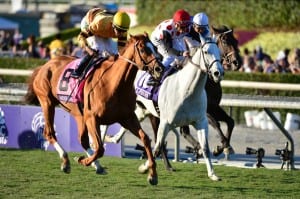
pixel 224 42
pixel 142 50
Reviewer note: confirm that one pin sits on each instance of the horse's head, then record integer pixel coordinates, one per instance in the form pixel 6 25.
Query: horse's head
pixel 228 44
pixel 207 57
pixel 144 54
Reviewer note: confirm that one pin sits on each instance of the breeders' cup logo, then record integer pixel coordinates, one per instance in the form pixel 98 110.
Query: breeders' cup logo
pixel 37 126
pixel 3 129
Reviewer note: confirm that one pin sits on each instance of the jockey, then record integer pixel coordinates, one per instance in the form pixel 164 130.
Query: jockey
pixel 97 30
pixel 168 38
pixel 200 26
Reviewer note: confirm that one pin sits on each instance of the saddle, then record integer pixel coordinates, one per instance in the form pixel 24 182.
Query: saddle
pixel 151 92
pixel 70 89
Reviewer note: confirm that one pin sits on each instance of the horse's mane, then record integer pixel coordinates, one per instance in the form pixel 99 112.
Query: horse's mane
pixel 224 29
pixel 132 39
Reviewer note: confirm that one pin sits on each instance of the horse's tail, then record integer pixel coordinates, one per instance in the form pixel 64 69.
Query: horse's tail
pixel 30 97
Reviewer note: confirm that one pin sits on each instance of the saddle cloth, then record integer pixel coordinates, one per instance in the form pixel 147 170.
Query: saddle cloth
pixel 150 92
pixel 70 89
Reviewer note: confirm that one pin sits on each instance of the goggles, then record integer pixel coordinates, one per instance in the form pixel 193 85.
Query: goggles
pixel 119 29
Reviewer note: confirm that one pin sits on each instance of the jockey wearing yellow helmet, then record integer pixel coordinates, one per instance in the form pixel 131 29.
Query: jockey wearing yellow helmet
pixel 97 30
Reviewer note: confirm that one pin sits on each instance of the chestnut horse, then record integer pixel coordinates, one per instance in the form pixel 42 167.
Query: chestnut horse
pixel 109 97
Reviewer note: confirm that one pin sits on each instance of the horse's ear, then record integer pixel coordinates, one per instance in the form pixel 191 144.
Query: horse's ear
pixel 214 28
pixel 146 34
pixel 202 39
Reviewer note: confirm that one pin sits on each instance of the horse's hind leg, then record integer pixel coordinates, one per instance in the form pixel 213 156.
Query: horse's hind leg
pixel 133 125
pixel 214 116
pixel 155 123
pixel 49 133
pixel 185 132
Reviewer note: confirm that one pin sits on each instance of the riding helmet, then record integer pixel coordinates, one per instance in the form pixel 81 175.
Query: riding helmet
pixel 121 20
pixel 200 19
pixel 181 17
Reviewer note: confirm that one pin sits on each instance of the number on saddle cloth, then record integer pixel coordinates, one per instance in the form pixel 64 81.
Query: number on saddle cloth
pixel 150 92
pixel 70 89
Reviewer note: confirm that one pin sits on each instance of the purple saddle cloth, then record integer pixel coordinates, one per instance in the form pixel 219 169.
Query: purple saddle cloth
pixel 150 92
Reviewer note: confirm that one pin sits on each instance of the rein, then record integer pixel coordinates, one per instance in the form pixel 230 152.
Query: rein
pixel 145 64
pixel 207 65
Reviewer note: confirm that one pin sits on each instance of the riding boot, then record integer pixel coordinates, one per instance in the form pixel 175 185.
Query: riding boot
pixel 152 81
pixel 81 66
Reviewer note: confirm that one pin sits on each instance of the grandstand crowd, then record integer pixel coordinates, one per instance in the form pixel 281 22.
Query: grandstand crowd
pixel 287 60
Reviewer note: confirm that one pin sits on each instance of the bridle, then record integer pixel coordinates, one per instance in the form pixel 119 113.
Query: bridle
pixel 145 66
pixel 207 65
pixel 225 55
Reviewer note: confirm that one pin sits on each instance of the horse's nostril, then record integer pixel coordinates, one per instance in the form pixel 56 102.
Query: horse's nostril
pixel 235 62
pixel 216 74
pixel 158 69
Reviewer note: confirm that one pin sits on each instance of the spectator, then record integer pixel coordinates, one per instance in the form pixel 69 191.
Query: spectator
pixel 41 49
pixel 295 61
pixel 6 41
pixel 17 37
pixel 32 50
pixel 281 64
pixel 246 59
pixel 78 52
pixel 268 65
pixel 57 46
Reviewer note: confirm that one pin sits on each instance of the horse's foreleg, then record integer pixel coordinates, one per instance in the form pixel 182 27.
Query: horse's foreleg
pixel 202 133
pixel 133 125
pixel 141 115
pixel 49 133
pixel 97 144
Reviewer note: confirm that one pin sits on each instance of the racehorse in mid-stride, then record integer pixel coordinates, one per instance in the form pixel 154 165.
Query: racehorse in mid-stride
pixel 230 56
pixel 182 98
pixel 108 97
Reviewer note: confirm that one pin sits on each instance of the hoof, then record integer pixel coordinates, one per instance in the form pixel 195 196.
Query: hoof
pixel 66 168
pixel 143 168
pixel 213 177
pixel 217 151
pixel 152 180
pixel 78 159
pixel 101 171
pixel 170 169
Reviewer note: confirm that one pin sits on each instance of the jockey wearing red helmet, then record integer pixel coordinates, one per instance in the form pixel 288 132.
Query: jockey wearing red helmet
pixel 168 38
pixel 181 19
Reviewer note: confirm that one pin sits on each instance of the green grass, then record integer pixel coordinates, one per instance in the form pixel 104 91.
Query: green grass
pixel 36 174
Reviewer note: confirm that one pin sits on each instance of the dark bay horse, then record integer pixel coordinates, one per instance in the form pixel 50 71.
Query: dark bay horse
pixel 231 58
pixel 109 97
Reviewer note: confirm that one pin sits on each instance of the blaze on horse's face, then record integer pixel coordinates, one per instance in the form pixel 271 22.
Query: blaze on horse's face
pixel 212 59
pixel 150 57
pixel 228 44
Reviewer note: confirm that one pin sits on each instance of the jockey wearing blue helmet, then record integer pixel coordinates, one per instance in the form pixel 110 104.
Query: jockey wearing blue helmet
pixel 201 24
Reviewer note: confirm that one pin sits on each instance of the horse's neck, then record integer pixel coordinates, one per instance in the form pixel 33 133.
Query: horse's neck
pixel 191 78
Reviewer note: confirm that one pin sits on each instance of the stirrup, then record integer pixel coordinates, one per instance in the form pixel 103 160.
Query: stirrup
pixel 152 82
pixel 75 75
